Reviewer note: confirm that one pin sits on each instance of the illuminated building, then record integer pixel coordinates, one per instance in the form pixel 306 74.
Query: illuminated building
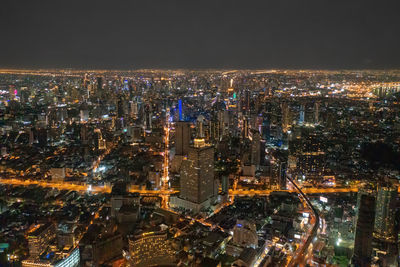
pixel 282 175
pixel 182 138
pixel 310 155
pixel 39 238
pixel 197 173
pixel 256 149
pixel 285 117
pixel 180 110
pixel 301 114
pixel 385 213
pixel 69 258
pixel 151 248
pixel 200 126
pixel 364 230
pixel 84 112
pixel 198 188
pixel 316 112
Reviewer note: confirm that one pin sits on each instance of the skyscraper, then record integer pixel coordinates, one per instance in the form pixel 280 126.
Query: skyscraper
pixel 385 213
pixel 285 117
pixel 197 173
pixel 302 114
pixel 364 230
pixel 182 138
pixel 256 149
pixel 316 112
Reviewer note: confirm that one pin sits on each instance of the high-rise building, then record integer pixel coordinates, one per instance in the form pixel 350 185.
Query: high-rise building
pixel 182 137
pixel 385 213
pixel 39 237
pixel 316 112
pixel 256 148
pixel 285 117
pixel 364 230
pixel 200 127
pixel 301 114
pixel 84 112
pixel 197 173
pixel 282 175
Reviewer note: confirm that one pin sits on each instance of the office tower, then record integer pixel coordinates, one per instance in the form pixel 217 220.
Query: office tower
pixel 99 84
pixel 84 134
pixel 197 173
pixel 150 249
pixel 385 213
pixel 301 114
pixel 282 175
pixel 39 237
pixel 316 112
pixel 246 127
pixel 311 158
pixel 134 109
pixel 256 148
pixel 200 126
pixel 120 108
pixel 245 234
pixel 182 137
pixel 246 102
pixel 84 112
pixel 266 129
pixel 225 184
pixel 285 117
pixel 364 230
pixel 180 108
pixel 148 118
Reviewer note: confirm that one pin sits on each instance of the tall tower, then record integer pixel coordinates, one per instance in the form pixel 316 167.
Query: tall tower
pixel 285 117
pixel 301 115
pixel 316 112
pixel 256 149
pixel 180 108
pixel 182 138
pixel 197 173
pixel 364 230
pixel 200 126
pixel 385 213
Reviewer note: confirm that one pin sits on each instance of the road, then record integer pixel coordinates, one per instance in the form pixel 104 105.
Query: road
pixel 299 258
pixel 105 189
pixel 81 188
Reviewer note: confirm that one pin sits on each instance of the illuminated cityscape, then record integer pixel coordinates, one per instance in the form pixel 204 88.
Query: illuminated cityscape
pixel 199 133
pixel 200 168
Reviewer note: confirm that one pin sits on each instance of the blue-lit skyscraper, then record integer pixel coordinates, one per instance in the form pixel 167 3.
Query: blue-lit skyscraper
pixel 180 110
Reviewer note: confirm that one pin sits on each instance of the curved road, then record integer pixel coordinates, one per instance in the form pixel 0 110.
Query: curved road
pixel 298 259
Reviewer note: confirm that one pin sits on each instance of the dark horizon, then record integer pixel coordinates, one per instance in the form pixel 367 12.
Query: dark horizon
pixel 339 35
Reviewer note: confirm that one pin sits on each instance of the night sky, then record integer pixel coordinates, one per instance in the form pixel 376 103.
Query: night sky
pixel 122 34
